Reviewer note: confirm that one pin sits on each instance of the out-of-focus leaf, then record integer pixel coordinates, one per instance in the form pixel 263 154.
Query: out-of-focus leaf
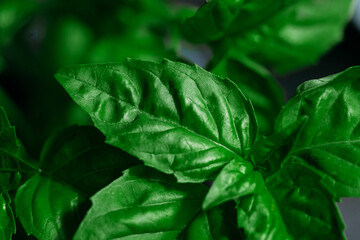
pixel 218 18
pixel 147 204
pixel 75 164
pixel 1 64
pixel 142 46
pixel 7 221
pixel 13 14
pixel 177 118
pixel 298 35
pixel 284 35
pixel 257 84
pixel 328 142
pixel 68 42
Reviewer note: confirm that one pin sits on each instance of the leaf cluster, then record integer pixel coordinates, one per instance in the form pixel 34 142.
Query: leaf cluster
pixel 165 149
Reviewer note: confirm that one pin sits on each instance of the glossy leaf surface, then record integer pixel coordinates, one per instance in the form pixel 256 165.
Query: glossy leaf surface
pixel 48 209
pixel 257 84
pixel 236 179
pixel 269 152
pixel 305 204
pixel 328 143
pixel 213 224
pixel 258 212
pixel 7 221
pixel 177 118
pixel 75 164
pixel 147 204
pixel 260 217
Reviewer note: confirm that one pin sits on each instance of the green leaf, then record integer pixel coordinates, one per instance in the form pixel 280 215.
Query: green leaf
pixel 218 18
pixel 305 204
pixel 236 179
pixel 68 42
pixel 49 209
pixel 284 35
pixel 258 212
pixel 177 118
pixel 75 164
pixel 298 35
pixel 147 204
pixel 7 220
pixel 257 84
pixel 292 200
pixel 268 153
pixel 260 217
pixel 328 142
pixel 13 160
pixel 216 223
pixel 141 45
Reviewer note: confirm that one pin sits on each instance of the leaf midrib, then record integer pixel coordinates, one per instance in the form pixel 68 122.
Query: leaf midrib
pixel 147 114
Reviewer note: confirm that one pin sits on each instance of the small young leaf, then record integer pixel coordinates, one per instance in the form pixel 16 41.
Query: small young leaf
pixel 177 118
pixel 236 179
pixel 7 221
pixel 328 142
pixel 147 204
pixel 75 164
pixel 257 84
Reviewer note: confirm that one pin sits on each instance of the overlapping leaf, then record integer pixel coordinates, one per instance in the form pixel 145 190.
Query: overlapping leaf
pixel 256 83
pixel 75 164
pixel 147 204
pixel 311 161
pixel 13 167
pixel 258 212
pixel 328 143
pixel 291 200
pixel 305 204
pixel 177 118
